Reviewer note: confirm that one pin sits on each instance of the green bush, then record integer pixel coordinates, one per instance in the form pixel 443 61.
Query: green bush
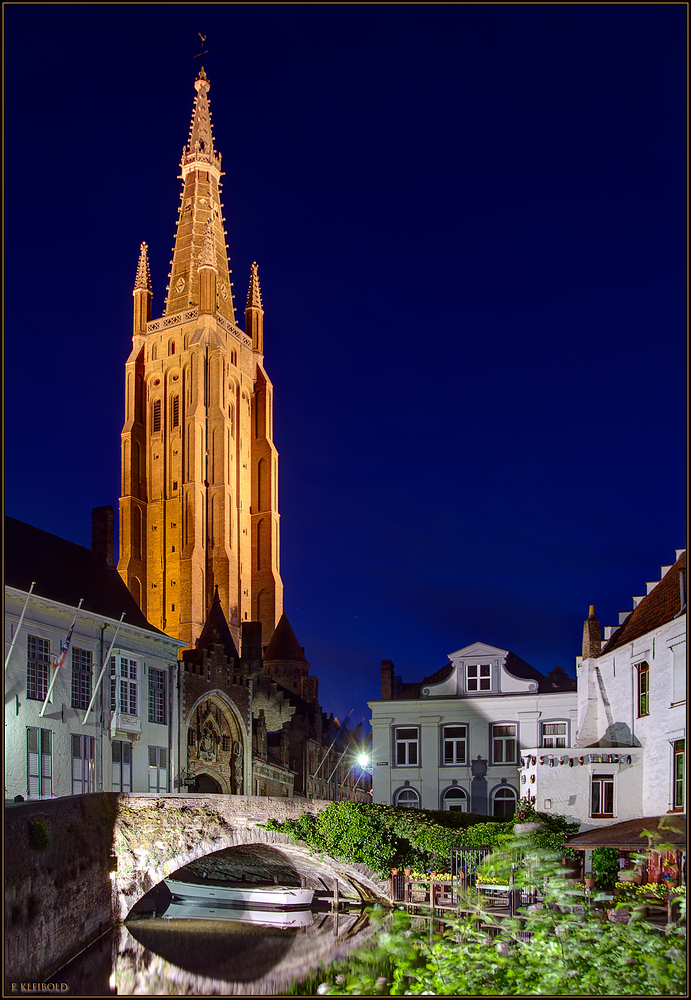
pixel 548 951
pixel 605 867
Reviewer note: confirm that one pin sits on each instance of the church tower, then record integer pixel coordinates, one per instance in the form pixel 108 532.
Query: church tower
pixel 199 503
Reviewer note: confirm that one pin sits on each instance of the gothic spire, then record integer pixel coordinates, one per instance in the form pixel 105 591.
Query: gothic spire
pixel 254 295
pixel 143 279
pixel 200 221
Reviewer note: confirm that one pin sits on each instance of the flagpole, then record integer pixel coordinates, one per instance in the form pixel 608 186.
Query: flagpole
pixel 335 738
pixel 342 756
pixel 58 664
pixel 103 670
pixel 19 623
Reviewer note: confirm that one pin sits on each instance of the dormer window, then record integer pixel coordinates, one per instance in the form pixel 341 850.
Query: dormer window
pixel 478 677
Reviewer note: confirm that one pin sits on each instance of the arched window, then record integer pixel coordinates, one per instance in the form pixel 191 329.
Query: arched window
pixel 175 411
pixel 171 347
pixel 504 802
pixel 455 799
pixel 156 421
pixel 407 797
pixel 154 352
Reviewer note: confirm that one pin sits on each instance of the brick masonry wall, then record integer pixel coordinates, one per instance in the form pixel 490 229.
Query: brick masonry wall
pixel 58 897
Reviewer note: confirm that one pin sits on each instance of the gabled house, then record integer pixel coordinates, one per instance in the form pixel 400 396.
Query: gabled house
pixel 453 740
pixel 626 758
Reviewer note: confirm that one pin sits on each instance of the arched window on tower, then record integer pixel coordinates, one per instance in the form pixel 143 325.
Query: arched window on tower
pixel 156 416
pixel 154 352
pixel 175 411
pixel 171 347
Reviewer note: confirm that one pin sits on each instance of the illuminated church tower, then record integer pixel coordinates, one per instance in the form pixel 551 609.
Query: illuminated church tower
pixel 199 503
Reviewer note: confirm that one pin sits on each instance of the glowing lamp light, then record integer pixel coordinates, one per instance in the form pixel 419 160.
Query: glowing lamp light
pixel 363 760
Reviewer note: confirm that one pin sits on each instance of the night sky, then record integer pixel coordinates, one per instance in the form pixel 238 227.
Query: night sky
pixel 470 226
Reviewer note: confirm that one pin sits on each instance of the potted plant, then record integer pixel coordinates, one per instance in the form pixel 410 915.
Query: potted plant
pixel 589 879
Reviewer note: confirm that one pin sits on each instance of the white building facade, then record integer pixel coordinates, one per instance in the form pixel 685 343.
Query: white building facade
pixel 454 741
pixel 626 759
pixel 117 735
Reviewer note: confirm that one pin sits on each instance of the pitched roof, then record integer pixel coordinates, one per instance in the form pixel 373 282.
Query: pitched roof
pixel 628 836
pixel 66 572
pixel 283 644
pixel 216 630
pixel 659 607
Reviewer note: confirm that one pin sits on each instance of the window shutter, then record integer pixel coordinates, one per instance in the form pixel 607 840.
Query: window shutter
pixel 33 777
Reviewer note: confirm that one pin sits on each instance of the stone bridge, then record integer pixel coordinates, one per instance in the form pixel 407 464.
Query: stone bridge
pixel 76 865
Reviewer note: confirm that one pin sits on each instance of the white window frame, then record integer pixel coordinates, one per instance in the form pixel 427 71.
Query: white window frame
pixel 158 769
pixel 499 795
pixel 480 679
pixel 407 743
pixel 407 792
pixel 454 792
pixel 451 744
pixel 504 740
pixel 550 741
pixel 37 667
pixel 158 691
pixel 121 779
pixel 83 763
pixel 598 778
pixel 679 782
pixel 82 668
pixel 39 763
pixel 125 680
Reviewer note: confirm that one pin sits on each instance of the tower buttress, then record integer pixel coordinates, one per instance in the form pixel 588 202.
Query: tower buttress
pixel 254 313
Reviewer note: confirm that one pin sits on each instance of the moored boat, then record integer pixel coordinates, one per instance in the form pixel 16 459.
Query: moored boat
pixel 195 909
pixel 270 895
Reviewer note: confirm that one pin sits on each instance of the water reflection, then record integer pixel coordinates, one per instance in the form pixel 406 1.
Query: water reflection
pixel 208 956
pixel 192 910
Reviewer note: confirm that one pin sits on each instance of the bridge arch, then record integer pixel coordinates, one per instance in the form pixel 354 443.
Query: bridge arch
pixel 157 835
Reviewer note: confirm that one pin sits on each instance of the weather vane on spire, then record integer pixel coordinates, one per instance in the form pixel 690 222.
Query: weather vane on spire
pixel 203 51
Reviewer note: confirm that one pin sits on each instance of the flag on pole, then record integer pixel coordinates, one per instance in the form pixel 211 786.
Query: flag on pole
pixel 60 660
pixel 64 649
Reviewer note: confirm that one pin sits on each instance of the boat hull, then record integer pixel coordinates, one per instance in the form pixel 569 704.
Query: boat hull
pixel 192 909
pixel 279 896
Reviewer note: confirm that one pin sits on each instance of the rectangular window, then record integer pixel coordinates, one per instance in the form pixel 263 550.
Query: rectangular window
pixel 83 764
pixel 158 769
pixel 175 411
pixel 406 740
pixel 602 795
pixel 124 685
pixel 39 757
pixel 122 766
pixel 643 689
pixel 82 672
pixel 553 734
pixel 679 773
pixel 504 744
pixel 157 695
pixel 455 739
pixel 478 677
pixel 37 667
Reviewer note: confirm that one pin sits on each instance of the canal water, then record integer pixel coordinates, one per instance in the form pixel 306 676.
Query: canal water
pixel 217 951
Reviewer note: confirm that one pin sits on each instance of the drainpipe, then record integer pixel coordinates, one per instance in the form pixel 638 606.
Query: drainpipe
pixel 171 675
pixel 100 721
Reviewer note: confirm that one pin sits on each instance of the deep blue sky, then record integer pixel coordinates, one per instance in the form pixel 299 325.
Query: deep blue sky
pixel 470 227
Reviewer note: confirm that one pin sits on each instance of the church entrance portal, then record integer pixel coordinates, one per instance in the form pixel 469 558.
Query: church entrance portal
pixel 205 784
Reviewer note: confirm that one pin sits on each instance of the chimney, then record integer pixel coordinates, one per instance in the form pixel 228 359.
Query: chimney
pixel 386 680
pixel 103 533
pixel 251 641
pixel 592 641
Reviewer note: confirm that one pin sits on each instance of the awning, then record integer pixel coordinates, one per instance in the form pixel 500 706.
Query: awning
pixel 628 836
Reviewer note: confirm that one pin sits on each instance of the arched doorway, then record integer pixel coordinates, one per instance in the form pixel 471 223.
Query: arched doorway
pixel 206 785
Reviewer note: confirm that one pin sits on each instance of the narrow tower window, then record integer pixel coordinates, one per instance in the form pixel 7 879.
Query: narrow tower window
pixel 171 347
pixel 157 416
pixel 175 411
